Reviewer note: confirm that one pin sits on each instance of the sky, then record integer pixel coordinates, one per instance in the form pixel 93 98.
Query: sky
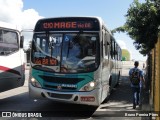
pixel 25 14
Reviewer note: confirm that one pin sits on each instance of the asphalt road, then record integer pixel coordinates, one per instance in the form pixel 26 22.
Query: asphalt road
pixel 116 106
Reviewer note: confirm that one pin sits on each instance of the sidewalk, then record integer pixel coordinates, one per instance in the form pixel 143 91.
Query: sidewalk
pixel 120 101
pixel 27 66
pixel 146 105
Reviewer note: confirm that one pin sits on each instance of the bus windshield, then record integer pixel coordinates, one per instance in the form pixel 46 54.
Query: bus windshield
pixel 65 52
pixel 8 42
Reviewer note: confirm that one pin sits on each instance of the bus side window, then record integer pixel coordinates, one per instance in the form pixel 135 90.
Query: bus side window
pixel 111 49
pixel 107 38
pixel 114 49
pixel 102 44
pixel 119 53
pixel 1 37
pixel 116 52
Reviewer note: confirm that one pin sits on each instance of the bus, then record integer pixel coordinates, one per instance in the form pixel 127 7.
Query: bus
pixel 12 72
pixel 73 60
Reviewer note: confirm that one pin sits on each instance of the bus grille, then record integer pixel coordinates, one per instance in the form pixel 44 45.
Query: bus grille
pixel 56 87
pixel 60 96
pixel 66 84
pixel 59 80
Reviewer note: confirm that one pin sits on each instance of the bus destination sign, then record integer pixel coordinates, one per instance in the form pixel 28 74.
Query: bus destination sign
pixel 67 25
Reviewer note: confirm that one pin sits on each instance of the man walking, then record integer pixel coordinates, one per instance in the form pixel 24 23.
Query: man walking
pixel 137 81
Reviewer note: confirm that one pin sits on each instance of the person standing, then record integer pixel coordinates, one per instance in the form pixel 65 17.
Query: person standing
pixel 137 83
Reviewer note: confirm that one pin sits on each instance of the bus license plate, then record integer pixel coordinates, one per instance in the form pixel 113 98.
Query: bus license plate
pixel 87 98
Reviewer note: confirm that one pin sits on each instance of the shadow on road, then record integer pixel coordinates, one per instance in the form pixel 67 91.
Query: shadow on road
pixel 21 103
pixel 120 98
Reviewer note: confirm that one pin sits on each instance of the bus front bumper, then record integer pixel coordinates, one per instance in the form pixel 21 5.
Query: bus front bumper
pixel 87 98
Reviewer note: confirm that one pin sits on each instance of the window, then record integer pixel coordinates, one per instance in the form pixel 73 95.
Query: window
pixel 8 42
pixel 107 38
pixel 71 52
pixel 1 36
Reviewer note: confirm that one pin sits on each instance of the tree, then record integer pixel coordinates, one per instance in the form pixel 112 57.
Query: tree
pixel 142 24
pixel 125 55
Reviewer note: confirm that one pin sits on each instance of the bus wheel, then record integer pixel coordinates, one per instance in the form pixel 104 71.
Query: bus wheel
pixel 118 80
pixel 110 84
pixel 110 81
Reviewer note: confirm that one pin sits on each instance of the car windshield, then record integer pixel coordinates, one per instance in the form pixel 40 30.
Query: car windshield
pixel 66 53
pixel 8 42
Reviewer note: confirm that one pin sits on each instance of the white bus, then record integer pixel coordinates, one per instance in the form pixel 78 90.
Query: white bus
pixel 73 59
pixel 12 71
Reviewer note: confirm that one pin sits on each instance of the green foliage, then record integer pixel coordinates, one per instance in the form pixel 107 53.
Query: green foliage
pixel 142 24
pixel 125 55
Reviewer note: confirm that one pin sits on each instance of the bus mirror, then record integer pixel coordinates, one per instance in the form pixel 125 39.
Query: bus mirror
pixel 21 41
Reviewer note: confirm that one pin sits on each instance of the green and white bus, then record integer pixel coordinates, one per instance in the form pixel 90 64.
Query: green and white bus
pixel 73 59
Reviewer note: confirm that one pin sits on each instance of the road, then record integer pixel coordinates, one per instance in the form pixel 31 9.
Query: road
pixel 117 105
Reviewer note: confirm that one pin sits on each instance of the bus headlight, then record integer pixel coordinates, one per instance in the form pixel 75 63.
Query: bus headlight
pixel 35 83
pixel 90 86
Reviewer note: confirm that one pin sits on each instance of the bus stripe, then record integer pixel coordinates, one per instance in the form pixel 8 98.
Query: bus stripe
pixel 5 69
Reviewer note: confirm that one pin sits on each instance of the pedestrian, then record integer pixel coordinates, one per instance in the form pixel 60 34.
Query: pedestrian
pixel 137 83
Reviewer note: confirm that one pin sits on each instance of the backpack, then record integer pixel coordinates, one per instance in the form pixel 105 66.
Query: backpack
pixel 135 77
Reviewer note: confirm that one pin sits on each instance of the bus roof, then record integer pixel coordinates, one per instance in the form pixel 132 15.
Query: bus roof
pixel 9 26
